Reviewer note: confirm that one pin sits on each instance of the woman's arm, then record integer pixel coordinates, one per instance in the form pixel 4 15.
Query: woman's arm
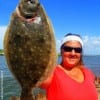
pixel 47 82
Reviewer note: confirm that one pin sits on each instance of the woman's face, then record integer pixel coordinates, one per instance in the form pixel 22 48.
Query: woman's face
pixel 71 54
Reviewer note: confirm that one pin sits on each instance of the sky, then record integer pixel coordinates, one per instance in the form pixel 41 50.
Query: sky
pixel 75 16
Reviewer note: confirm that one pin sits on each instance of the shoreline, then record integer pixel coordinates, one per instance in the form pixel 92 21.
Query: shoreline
pixel 1 54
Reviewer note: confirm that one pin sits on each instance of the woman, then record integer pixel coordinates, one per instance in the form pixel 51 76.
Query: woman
pixel 71 80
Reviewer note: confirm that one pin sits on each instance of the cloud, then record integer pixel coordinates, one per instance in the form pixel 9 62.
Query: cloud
pixel 91 45
pixel 58 43
pixel 85 39
pixel 94 40
pixel 2 33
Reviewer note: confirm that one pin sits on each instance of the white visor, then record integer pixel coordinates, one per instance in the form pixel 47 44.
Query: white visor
pixel 72 38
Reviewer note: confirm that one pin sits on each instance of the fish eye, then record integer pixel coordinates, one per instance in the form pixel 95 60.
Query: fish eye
pixel 31 1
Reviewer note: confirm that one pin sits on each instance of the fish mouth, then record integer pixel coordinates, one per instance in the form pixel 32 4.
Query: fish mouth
pixel 29 15
pixel 28 8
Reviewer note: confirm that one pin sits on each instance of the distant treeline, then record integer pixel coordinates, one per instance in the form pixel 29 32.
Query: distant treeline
pixel 1 52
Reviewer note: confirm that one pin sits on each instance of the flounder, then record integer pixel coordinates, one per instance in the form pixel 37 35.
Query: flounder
pixel 29 46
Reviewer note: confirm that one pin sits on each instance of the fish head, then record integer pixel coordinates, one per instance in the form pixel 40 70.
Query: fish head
pixel 28 8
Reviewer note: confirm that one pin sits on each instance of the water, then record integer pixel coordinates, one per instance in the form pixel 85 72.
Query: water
pixel 93 62
pixel 10 87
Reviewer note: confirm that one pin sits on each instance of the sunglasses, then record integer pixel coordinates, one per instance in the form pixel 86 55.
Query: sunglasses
pixel 69 49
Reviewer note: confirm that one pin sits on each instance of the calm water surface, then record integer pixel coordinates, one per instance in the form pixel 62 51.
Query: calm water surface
pixel 10 87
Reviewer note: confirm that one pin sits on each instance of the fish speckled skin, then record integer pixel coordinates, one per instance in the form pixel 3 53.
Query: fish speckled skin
pixel 29 46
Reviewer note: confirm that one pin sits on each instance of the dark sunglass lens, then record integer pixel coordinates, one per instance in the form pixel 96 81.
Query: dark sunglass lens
pixel 78 50
pixel 67 49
